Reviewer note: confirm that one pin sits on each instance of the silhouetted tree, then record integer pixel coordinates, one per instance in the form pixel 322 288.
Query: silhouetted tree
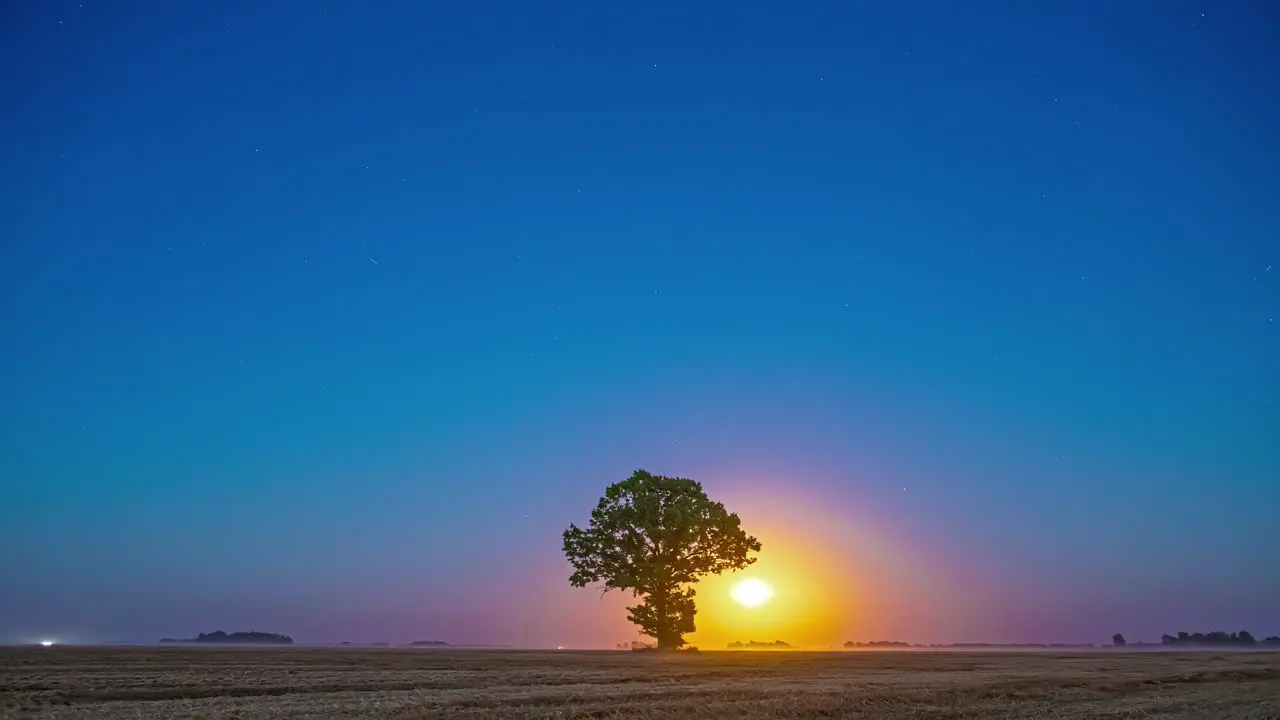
pixel 1118 640
pixel 655 536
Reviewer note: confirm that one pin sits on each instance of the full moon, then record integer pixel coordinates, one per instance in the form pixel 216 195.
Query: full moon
pixel 752 592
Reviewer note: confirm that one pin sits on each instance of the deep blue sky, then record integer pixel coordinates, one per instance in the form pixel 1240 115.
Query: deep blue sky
pixel 327 317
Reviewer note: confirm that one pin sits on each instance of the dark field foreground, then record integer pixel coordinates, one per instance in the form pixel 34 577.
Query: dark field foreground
pixel 278 683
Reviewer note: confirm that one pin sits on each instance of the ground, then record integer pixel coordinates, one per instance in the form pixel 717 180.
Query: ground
pixel 406 684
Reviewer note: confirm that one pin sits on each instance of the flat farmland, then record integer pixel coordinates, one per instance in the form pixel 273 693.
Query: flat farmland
pixel 279 683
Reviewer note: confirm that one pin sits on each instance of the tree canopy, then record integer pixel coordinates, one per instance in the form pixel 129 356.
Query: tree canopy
pixel 656 536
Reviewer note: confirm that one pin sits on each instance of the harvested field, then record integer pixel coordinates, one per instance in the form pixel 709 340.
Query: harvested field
pixel 280 683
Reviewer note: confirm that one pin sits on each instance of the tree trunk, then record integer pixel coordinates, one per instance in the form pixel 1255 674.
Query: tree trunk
pixel 669 637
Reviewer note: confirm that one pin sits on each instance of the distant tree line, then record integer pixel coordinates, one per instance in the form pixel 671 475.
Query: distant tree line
pixel 1240 639
pixel 890 644
pixel 877 644
pixel 219 637
pixel 755 645
pixel 1217 638
pixel 635 645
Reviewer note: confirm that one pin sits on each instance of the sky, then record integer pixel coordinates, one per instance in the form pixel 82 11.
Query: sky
pixel 326 318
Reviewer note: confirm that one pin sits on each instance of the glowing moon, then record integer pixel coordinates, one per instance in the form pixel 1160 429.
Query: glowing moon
pixel 752 592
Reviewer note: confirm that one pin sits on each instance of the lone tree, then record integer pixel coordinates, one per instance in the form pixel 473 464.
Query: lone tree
pixel 655 536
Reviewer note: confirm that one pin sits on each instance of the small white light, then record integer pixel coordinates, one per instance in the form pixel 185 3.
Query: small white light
pixel 46 643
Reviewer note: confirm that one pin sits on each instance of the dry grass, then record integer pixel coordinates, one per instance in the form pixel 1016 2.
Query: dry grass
pixel 279 683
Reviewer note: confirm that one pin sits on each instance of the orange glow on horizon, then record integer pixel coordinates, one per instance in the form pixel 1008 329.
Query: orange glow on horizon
pixel 803 609
pixel 835 576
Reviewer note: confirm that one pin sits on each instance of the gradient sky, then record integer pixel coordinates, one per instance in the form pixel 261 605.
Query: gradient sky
pixel 327 317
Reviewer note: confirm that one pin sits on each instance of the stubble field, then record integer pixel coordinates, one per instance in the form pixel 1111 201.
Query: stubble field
pixel 280 683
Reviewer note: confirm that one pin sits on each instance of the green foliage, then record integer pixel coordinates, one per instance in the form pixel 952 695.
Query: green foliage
pixel 655 536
